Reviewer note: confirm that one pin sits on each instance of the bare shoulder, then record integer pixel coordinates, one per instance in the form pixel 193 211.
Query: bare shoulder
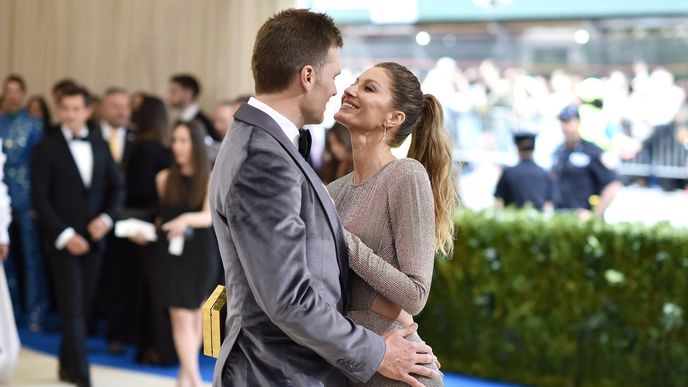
pixel 161 176
pixel 161 179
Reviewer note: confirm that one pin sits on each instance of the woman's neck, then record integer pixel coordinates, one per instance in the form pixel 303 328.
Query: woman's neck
pixel 369 155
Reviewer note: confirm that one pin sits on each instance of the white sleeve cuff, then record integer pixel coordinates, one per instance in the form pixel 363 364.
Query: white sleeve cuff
pixel 107 220
pixel 64 237
pixel 4 236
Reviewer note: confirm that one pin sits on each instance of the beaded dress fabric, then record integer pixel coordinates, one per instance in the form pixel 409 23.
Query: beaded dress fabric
pixel 390 232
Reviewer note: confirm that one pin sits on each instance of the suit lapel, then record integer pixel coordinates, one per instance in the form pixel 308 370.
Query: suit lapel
pixel 98 162
pixel 256 117
pixel 62 142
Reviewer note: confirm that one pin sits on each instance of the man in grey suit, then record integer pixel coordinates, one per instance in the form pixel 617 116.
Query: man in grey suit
pixel 280 238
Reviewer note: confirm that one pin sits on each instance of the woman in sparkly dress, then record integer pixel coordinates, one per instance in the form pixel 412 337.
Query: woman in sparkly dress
pixel 397 212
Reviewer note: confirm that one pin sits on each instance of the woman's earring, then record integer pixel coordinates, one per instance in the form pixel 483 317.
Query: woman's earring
pixel 384 133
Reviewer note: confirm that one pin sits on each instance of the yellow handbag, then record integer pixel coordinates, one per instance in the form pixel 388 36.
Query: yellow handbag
pixel 214 314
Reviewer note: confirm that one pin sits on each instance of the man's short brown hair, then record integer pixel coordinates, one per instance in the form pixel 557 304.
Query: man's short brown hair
pixel 287 42
pixel 73 91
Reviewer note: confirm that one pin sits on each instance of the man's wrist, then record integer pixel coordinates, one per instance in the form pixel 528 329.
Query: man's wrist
pixel 64 238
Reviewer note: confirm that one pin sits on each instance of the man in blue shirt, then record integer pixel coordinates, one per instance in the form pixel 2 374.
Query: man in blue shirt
pixel 525 182
pixel 25 269
pixel 579 171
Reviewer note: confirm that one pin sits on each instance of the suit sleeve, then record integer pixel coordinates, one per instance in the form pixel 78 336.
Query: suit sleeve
pixel 263 207
pixel 500 190
pixel 41 181
pixel 413 225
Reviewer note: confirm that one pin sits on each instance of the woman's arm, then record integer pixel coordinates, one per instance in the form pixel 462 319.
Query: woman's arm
pixel 196 219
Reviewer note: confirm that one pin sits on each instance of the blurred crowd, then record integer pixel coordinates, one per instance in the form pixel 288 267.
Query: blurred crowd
pixel 625 114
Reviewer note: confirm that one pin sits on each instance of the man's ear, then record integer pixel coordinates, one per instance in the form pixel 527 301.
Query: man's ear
pixel 307 77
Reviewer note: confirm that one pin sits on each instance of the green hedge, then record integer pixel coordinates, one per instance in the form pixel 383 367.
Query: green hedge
pixel 553 301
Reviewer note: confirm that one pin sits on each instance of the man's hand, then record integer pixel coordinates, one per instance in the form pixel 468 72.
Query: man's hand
pixel 404 357
pixel 97 228
pixel 77 245
pixel 4 250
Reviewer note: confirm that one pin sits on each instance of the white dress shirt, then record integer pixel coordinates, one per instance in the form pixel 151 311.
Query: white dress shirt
pixel 287 126
pixel 189 113
pixel 82 153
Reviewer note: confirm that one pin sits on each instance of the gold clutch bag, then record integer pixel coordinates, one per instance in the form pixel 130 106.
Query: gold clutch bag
pixel 214 314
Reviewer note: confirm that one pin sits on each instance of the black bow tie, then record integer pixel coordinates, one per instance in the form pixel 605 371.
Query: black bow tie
pixel 305 141
pixel 80 138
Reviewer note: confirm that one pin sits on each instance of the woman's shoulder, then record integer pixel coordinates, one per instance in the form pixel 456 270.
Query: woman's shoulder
pixel 340 183
pixel 408 177
pixel 407 168
pixel 161 177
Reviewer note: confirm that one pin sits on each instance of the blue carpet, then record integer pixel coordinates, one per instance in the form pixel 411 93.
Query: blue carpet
pixel 98 354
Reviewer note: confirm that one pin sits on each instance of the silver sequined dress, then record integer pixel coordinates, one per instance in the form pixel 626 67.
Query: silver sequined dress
pixel 390 227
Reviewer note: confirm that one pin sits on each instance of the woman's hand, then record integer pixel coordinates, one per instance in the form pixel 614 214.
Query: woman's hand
pixel 4 251
pixel 139 239
pixel 176 226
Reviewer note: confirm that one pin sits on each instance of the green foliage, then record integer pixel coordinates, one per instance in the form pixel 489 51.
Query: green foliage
pixel 554 301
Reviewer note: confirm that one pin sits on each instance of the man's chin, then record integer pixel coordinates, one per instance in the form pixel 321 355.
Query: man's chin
pixel 316 120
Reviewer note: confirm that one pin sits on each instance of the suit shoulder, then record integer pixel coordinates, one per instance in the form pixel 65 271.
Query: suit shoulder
pixel 50 139
pixel 261 141
pixel 205 120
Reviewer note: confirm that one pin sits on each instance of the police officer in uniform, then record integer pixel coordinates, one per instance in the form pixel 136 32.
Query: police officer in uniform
pixel 525 182
pixel 579 172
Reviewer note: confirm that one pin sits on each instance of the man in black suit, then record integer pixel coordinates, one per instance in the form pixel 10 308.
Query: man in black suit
pixel 76 191
pixel 182 97
pixel 120 266
pixel 115 114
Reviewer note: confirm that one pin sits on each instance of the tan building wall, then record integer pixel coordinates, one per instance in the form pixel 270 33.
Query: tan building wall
pixel 136 44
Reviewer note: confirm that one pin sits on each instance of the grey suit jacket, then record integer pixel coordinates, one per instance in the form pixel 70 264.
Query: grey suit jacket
pixel 286 267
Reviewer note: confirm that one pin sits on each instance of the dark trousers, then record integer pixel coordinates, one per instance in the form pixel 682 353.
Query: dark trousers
pixel 155 329
pixel 119 289
pixel 75 283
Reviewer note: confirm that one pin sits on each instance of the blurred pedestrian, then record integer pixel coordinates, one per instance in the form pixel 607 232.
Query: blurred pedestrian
pixel 77 191
pixel 579 171
pixel 526 182
pixel 338 154
pixel 25 266
pixel 9 339
pixel 187 265
pixel 38 108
